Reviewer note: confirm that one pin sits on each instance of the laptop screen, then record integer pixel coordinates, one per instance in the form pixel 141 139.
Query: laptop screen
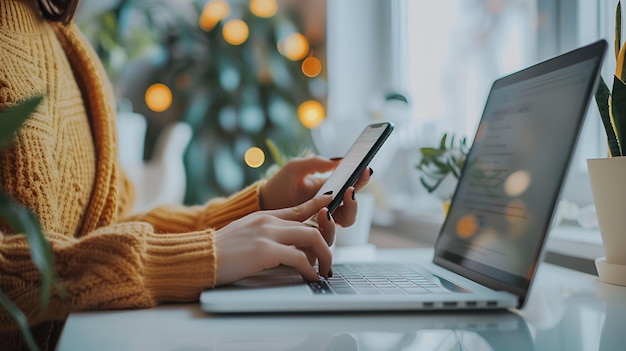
pixel 504 202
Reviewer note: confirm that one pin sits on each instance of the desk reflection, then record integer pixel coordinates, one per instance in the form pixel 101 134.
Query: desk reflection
pixel 576 312
pixel 613 335
pixel 488 331
pixel 186 327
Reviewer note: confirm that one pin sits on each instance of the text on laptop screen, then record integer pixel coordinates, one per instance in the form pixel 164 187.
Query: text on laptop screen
pixel 513 173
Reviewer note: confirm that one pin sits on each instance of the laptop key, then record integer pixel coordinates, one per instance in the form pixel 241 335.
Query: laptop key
pixel 320 287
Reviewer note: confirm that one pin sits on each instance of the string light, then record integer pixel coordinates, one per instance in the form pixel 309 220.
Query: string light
pixel 235 32
pixel 311 67
pixel 158 97
pixel 311 113
pixel 263 8
pixel 213 12
pixel 254 157
pixel 295 47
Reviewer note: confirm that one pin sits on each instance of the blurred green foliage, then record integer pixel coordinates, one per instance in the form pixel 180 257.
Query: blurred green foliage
pixel 233 96
pixel 439 162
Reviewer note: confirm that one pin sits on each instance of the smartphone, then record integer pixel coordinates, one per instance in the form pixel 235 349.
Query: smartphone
pixel 355 161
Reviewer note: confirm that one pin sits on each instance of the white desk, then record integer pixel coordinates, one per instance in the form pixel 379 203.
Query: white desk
pixel 567 310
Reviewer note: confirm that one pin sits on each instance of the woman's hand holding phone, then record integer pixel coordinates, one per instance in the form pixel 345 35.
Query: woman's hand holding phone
pixel 352 168
pixel 355 162
pixel 284 201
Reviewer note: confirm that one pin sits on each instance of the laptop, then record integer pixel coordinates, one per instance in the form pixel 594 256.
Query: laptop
pixel 490 244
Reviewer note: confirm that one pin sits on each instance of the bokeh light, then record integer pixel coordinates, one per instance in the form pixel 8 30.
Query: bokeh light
pixel 254 157
pixel 235 32
pixel 227 119
pixel 263 8
pixel 295 47
pixel 517 183
pixel 467 226
pixel 158 97
pixel 213 12
pixel 251 118
pixel 311 67
pixel 311 113
pixel 280 112
pixel 229 78
pixel 229 172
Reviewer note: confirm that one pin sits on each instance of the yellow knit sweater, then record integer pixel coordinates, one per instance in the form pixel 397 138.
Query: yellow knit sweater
pixel 64 166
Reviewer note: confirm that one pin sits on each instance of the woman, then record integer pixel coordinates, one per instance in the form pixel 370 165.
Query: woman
pixel 64 166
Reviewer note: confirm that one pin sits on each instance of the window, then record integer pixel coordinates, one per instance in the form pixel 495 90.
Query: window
pixel 443 55
pixel 457 48
pixel 462 46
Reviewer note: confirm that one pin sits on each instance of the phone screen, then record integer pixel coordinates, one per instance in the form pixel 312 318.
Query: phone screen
pixel 354 162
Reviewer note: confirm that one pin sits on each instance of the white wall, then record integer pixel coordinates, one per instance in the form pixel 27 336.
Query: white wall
pixel 360 48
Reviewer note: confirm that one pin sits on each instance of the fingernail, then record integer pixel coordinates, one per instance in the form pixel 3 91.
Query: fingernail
pixel 336 158
pixel 371 172
pixel 353 196
pixel 328 192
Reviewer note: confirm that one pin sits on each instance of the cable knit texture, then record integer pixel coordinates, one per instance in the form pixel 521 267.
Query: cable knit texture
pixel 64 166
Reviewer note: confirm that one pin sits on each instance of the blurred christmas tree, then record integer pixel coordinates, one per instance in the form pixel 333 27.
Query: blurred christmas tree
pixel 239 72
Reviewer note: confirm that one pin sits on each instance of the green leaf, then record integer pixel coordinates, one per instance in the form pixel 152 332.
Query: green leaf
pixel 20 319
pixel 11 120
pixel 439 172
pixel 442 143
pixel 463 146
pixel 618 107
pixel 430 153
pixel 277 156
pixel 443 165
pixel 23 221
pixel 430 188
pixel 396 96
pixel 602 97
pixel 436 164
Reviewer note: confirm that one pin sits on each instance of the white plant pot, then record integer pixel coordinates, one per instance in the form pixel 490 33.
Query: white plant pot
pixel 609 194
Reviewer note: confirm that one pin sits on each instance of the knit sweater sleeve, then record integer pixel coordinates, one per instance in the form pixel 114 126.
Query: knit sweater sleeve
pixel 167 254
pixel 126 265
pixel 214 214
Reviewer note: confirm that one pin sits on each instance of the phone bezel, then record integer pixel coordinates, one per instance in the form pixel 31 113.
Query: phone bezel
pixel 338 198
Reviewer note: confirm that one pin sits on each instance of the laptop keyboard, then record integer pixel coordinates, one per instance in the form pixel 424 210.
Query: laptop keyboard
pixel 376 280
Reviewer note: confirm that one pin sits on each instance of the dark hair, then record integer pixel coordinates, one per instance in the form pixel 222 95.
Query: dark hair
pixel 58 10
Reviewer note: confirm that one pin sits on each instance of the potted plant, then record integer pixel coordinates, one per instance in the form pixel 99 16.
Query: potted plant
pixel 441 163
pixel 606 174
pixel 24 221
